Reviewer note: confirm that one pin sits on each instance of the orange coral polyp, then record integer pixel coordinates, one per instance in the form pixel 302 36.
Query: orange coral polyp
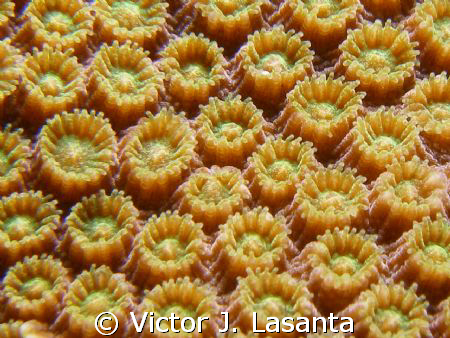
pixel 229 130
pixel 28 225
pixel 276 167
pixel 388 9
pixel 10 73
pixel 155 157
pixel 169 246
pixel 440 325
pixel 100 230
pixel 34 289
pixel 124 83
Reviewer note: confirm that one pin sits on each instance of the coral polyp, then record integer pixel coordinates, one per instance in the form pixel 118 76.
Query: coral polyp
pixel 422 255
pixel 344 262
pixel 75 155
pixel 325 199
pixel 95 291
pixel 34 289
pixel 168 247
pixel 388 9
pixel 382 58
pixel 9 73
pixel 155 157
pixel 323 22
pixel 408 191
pixel 388 310
pixel 269 294
pixel 65 25
pixel 195 70
pixel 28 225
pixel 11 329
pixel 52 82
pixel 429 26
pixel 440 325
pixel 211 195
pixel 321 109
pixel 124 83
pixel 270 63
pixel 184 298
pixel 229 130
pixel 141 21
pixel 100 230
pixel 15 154
pixel 377 139
pixel 276 167
pixel 6 14
pixel 252 239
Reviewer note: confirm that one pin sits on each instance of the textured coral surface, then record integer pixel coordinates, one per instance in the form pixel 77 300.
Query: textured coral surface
pixel 284 157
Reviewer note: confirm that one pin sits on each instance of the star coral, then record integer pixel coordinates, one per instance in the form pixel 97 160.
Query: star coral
pixel 124 83
pixel 155 157
pixel 28 222
pixel 75 155
pixel 169 246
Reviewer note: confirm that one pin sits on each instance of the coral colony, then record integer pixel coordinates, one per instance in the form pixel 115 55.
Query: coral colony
pixel 224 168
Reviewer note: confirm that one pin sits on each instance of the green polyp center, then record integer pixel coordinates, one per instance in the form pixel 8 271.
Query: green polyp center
pixel 385 143
pixel 73 153
pixel 281 170
pixel 443 27
pixel 342 264
pixel 35 288
pixel 229 130
pixel 51 84
pixel 407 191
pixel 437 253
pixel 123 82
pixel 19 227
pixel 377 59
pixel 253 244
pixel 58 22
pixel 127 13
pixel 391 320
pixel 272 305
pixel 213 191
pixel 97 302
pixel 101 228
pixel 325 8
pixel 156 154
pixel 322 110
pixel 194 71
pixel 332 199
pixel 229 7
pixel 170 249
pixel 4 163
pixel 179 310
pixel 274 62
pixel 440 112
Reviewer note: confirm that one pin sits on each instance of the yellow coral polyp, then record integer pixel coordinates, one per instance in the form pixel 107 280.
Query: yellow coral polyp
pixel 6 13
pixel 34 289
pixel 408 191
pixel 29 223
pixel 143 22
pixel 65 25
pixel 195 70
pixel 169 246
pixel 422 255
pixel 276 167
pixel 388 310
pixel 9 73
pixel 269 65
pixel 321 109
pixel 15 154
pixel 323 22
pixel 343 262
pixel 229 130
pixel 124 83
pixel 155 157
pixel 325 199
pixel 430 28
pixel 100 230
pixel 382 58
pixel 440 325
pixel 75 155
pixel 377 139
pixel 211 195
pixel 52 82
pixel 252 239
